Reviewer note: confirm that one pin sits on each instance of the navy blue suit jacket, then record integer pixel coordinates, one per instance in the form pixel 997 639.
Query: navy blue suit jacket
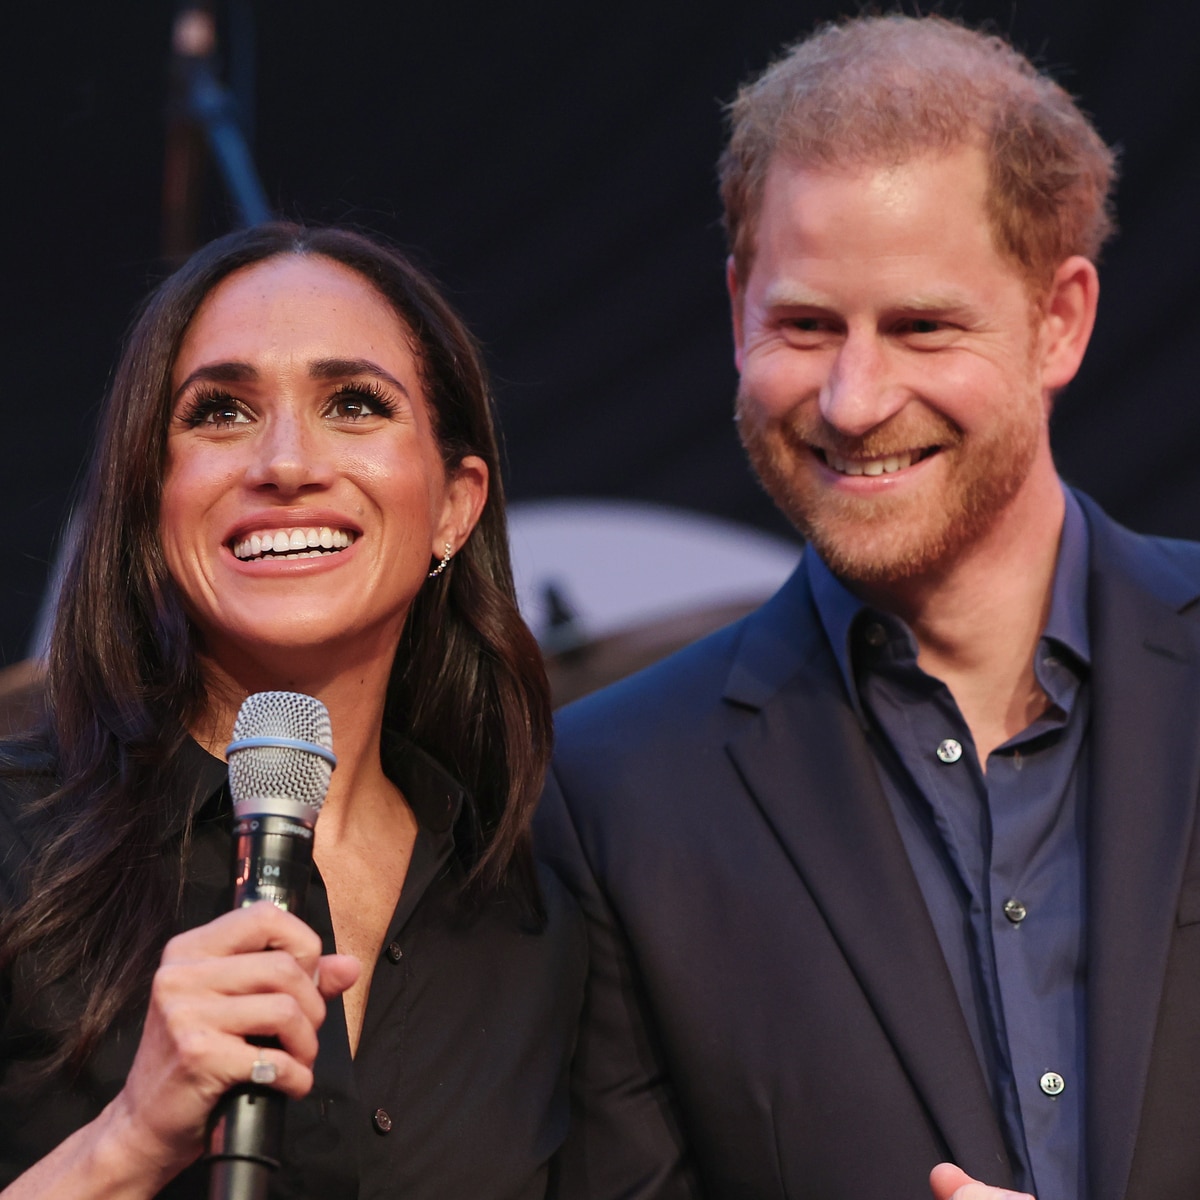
pixel 769 1014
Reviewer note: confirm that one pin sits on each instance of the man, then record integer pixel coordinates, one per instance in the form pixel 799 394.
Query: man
pixel 898 871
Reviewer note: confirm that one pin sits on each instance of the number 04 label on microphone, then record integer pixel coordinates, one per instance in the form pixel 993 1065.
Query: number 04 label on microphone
pixel 272 861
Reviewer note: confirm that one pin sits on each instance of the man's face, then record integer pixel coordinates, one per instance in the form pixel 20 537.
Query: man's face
pixel 892 398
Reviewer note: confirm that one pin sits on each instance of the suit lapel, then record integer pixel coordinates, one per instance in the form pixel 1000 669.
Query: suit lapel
pixel 1145 770
pixel 807 764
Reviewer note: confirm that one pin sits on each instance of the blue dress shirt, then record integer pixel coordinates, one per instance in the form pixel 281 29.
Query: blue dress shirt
pixel 999 855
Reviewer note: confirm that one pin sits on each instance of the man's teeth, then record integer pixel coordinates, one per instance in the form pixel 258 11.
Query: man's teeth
pixel 869 466
pixel 294 543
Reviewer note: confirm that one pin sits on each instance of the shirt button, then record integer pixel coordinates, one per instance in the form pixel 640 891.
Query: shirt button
pixel 875 634
pixel 1015 911
pixel 1052 1083
pixel 393 952
pixel 381 1121
pixel 949 751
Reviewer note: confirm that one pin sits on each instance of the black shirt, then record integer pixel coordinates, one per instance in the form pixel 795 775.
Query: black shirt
pixel 458 1088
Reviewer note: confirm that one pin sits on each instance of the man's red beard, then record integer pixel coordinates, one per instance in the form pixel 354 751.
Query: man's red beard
pixel 888 537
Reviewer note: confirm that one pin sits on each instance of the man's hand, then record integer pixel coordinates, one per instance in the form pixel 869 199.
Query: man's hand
pixel 948 1182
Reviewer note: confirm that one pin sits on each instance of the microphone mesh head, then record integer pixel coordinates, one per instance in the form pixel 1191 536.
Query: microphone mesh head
pixel 281 771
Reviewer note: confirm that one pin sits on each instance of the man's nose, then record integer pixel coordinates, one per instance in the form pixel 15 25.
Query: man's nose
pixel 861 391
pixel 289 455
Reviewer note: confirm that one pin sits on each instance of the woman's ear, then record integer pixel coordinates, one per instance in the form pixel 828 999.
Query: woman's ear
pixel 466 494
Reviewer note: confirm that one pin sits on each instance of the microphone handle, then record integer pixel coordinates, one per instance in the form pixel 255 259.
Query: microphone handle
pixel 272 861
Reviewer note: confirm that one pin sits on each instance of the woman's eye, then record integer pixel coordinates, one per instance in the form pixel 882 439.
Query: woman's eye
pixel 356 404
pixel 215 412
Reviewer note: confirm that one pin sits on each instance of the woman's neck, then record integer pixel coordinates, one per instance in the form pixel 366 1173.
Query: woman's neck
pixel 354 696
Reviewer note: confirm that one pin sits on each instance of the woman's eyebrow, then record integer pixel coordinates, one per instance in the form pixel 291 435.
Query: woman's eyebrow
pixel 223 372
pixel 321 368
pixel 343 368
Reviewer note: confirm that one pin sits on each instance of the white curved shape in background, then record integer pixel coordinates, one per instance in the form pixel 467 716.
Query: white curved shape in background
pixel 619 564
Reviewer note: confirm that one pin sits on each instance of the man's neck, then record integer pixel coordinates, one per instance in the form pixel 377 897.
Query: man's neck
pixel 978 621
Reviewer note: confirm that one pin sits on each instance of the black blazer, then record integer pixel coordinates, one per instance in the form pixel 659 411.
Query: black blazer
pixel 769 1013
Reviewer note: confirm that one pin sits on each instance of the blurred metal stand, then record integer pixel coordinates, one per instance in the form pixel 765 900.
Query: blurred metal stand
pixel 206 118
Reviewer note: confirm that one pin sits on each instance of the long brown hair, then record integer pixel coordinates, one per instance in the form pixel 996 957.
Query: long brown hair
pixel 467 685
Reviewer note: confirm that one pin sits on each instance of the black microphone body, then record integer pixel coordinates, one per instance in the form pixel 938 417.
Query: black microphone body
pixel 278 788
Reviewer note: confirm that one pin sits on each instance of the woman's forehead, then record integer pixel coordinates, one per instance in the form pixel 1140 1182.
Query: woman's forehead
pixel 293 306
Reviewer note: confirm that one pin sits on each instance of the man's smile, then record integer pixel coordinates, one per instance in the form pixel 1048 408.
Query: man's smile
pixel 877 465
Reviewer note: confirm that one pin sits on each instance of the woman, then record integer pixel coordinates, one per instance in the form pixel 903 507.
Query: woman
pixel 296 487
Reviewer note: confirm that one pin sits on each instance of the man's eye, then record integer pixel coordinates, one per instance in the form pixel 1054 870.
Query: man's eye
pixel 924 325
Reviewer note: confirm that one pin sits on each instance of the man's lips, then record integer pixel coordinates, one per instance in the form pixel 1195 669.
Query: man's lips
pixel 883 464
pixel 301 541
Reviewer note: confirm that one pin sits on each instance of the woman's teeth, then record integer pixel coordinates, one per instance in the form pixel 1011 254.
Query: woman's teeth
pixel 870 466
pixel 293 543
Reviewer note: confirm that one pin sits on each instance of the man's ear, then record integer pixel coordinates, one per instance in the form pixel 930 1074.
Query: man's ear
pixel 466 494
pixel 736 297
pixel 1068 315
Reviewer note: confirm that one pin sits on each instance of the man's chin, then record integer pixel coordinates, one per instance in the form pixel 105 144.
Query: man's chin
pixel 875 542
pixel 879 556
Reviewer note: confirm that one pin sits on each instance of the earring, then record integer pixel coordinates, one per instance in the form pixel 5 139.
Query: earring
pixel 444 563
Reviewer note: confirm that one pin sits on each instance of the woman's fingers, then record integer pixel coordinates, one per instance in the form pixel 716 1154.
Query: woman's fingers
pixel 208 1060
pixel 255 973
pixel 336 973
pixel 259 926
pixel 250 975
pixel 188 1020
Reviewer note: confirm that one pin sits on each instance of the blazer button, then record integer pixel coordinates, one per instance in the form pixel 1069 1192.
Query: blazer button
pixel 381 1121
pixel 1015 911
pixel 393 952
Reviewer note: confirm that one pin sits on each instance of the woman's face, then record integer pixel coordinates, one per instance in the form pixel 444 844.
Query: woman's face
pixel 304 494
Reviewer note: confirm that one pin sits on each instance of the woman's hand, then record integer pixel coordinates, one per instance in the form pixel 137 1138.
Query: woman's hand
pixel 948 1182
pixel 256 972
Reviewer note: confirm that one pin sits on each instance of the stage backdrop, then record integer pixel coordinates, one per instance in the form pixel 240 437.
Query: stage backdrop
pixel 552 163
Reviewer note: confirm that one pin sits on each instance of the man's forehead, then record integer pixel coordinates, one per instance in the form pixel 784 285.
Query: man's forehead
pixel 887 177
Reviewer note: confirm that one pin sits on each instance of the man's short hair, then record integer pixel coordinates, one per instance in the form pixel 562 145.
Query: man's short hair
pixel 875 91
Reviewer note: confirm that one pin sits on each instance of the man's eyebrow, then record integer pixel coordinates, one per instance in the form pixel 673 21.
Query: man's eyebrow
pixel 345 368
pixel 932 302
pixel 224 372
pixel 789 296
pixel 785 295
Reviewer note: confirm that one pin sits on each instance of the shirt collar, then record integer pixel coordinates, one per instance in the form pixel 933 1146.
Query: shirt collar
pixel 1067 625
pixel 433 794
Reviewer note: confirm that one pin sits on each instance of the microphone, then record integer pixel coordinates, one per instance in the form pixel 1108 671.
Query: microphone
pixel 280 761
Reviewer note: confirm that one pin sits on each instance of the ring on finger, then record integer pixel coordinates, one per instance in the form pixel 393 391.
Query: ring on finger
pixel 263 1071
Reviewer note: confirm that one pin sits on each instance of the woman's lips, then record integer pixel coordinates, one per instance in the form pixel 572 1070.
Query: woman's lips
pixel 292 542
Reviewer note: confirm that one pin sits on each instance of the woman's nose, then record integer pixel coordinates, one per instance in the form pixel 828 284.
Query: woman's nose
pixel 289 456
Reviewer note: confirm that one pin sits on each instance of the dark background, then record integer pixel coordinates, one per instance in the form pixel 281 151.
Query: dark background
pixel 552 163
